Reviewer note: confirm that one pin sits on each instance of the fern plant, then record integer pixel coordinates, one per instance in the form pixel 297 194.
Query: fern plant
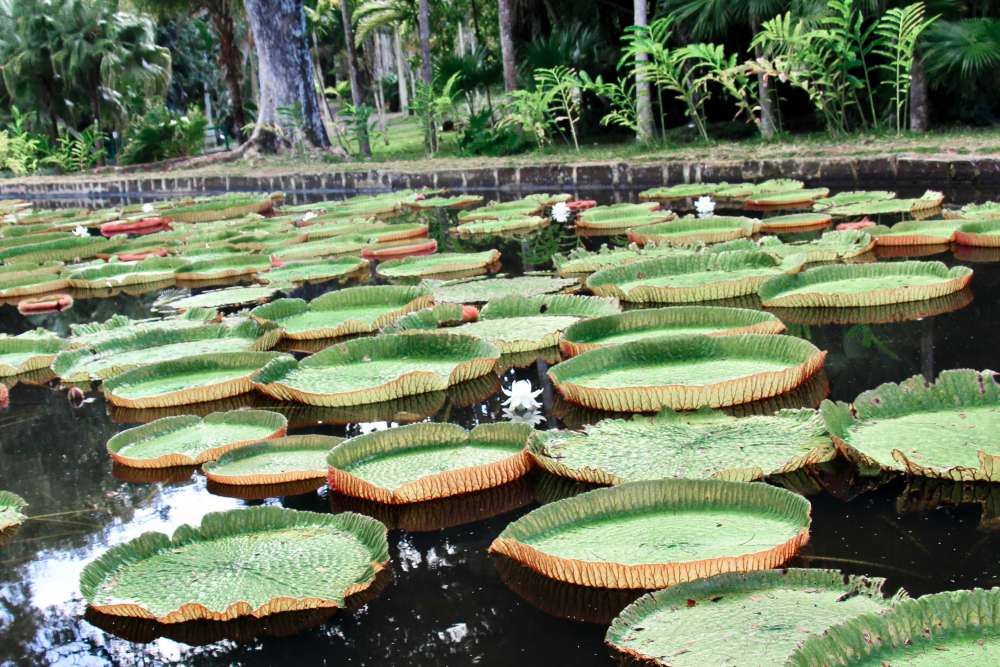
pixel 620 96
pixel 77 153
pixel 561 86
pixel 897 33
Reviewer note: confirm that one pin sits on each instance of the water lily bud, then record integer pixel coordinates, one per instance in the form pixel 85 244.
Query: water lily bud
pixel 470 313
pixel 75 396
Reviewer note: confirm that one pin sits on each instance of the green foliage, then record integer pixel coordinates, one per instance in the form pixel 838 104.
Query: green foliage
pixel 77 152
pixel 20 150
pixel 528 112
pixel 620 95
pixel 432 102
pixel 359 120
pixel 162 134
pixel 562 86
pixel 962 60
pixel 898 31
pixel 482 137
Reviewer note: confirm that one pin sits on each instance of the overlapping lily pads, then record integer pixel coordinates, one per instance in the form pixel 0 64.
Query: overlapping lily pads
pixel 747 190
pixel 274 552
pixel 11 511
pixel 194 379
pixel 480 290
pixel 852 197
pixel 916 232
pixel 831 246
pixel 121 326
pixel 984 234
pixel 689 231
pixel 289 459
pixel 225 298
pixel 929 201
pixel 691 278
pixel 186 440
pixel 28 278
pixel 354 310
pixel 224 207
pixel 681 191
pixel 661 322
pixel 753 618
pixel 580 261
pixel 455 201
pixel 28 352
pixel 687 372
pixel 794 197
pixel 440 264
pixel 623 216
pixel 504 225
pixel 857 285
pixel 796 222
pixel 315 271
pixel 66 249
pixel 427 461
pixel 654 534
pixel 383 368
pixel 946 429
pixel 119 274
pixel 230 266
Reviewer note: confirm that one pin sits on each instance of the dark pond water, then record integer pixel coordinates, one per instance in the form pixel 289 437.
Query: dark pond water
pixel 447 602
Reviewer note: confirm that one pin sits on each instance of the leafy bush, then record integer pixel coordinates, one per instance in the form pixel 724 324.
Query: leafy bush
pixel 20 150
pixel 77 153
pixel 481 137
pixel 163 134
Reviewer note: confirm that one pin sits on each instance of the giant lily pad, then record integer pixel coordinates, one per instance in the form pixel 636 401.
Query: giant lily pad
pixel 660 322
pixel 929 201
pixel 118 274
pixel 230 266
pixel 687 372
pixel 350 311
pixel 186 440
pixel 895 312
pixel 225 298
pixel 688 278
pixel 28 352
pixel 788 198
pixel 950 629
pixel 831 246
pixel 383 368
pixel 797 222
pixel 456 201
pixel 351 243
pixel 505 225
pixel 426 461
pixel 681 191
pixel 248 562
pixel 988 210
pixel 480 290
pixel 916 232
pixel 737 619
pixel 654 534
pixel 298 272
pixel 121 326
pixel 946 429
pixel 623 216
pixel 11 510
pixel 28 278
pixel 437 265
pixel 580 261
pixel 851 197
pixel 854 285
pixel 67 249
pixel 225 207
pixel 688 231
pixel 289 459
pixel 984 234
pixel 123 353
pixel 747 190
pixel 195 379
pixel 696 445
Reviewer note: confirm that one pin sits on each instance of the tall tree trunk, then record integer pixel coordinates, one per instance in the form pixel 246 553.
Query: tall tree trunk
pixel 404 94
pixel 324 104
pixel 507 46
pixel 919 101
pixel 286 76
pixel 361 129
pixel 229 60
pixel 643 104
pixel 768 125
pixel 427 74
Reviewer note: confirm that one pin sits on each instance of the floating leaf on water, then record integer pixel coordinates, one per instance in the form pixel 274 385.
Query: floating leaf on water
pixel 985 234
pixel 690 231
pixel 278 461
pixel 929 201
pixel 456 201
pixel 230 266
pixel 30 351
pixel 480 290
pixel 916 232
pixel 225 298
pixel 298 272
pixel 681 191
pixel 440 264
pixel 830 247
pixel 504 225
pixel 851 197
pixel 623 216
pixel 746 190
pixel 796 222
pixel 224 207
pixel 11 511
pixel 787 198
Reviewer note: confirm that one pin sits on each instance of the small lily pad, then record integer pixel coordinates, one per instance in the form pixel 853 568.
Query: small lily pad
pixel 278 461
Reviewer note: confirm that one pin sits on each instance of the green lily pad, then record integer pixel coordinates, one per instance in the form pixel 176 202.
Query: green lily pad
pixel 480 290
pixel 194 379
pixel 916 232
pixel 989 210
pixel 230 266
pixel 457 201
pixel 681 191
pixel 929 201
pixel 119 274
pixel 440 264
pixel 383 368
pixel 830 247
pixel 426 461
pixel 945 429
pixel 226 298
pixel 27 278
pixel 580 261
pixel 747 190
pixel 851 197
pixel 526 206
pixel 623 216
pixel 28 352
pixel 505 225
pixel 686 372
pixel 689 231
pixel 788 198
pixel 950 629
pixel 795 222
pixel 895 312
pixel 224 207
pixel 349 311
pixel 654 534
pixel 289 459
pixel 741 619
pixel 698 445
pixel 985 234
pixel 283 560
pixel 855 285
pixel 67 249
pixel 11 510
pixel 661 322
pixel 119 326
pixel 691 278
pixel 346 244
pixel 299 272
pixel 186 440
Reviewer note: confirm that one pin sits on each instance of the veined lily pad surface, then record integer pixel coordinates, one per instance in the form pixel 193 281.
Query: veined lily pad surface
pixel 659 533
pixel 28 278
pixel 195 379
pixel 457 201
pixel 687 372
pixel 691 278
pixel 439 264
pixel 383 368
pixel 746 190
pixel 851 197
pixel 248 562
pixel 349 311
pixel 680 191
pixel 741 619
pixel 788 198
pixel 28 352
pixel 297 272
pixel 116 274
pixel 660 322
pixel 226 298
pixel 504 225
pixel 289 459
pixel 916 232
pixel 831 246
pixel 929 201
pixel 688 231
pixel 795 222
pixel 119 326
pixel 186 440
pixel 950 629
pixel 427 461
pixel 580 261
pixel 853 285
pixel 11 510
pixel 224 267
pixel 623 216
pixel 697 445
pixel 946 429
pixel 984 234
pixel 480 290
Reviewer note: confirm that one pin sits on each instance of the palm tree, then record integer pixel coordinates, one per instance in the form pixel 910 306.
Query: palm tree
pixel 507 45
pixel 398 16
pixel 361 129
pixel 643 103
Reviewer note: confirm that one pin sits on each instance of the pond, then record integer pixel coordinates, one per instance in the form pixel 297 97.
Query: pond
pixel 447 601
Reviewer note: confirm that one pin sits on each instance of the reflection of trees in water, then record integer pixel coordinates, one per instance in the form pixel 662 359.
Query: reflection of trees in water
pixel 84 311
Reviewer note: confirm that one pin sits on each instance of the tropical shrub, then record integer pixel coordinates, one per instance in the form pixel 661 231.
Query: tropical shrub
pixel 162 134
pixel 482 137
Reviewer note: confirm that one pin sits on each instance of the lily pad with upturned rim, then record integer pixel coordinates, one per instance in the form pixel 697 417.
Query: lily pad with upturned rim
pixel 985 234
pixel 119 274
pixel 687 372
pixel 225 207
pixel 226 298
pixel 288 459
pixel 283 560
pixel 231 266
pixel 38 280
pixel 427 461
pixel 481 290
pixel 771 186
pixel 580 261
pixel 742 619
pixel 11 511
pixel 699 445
pixel 796 222
pixel 929 201
pixel 382 368
pixel 355 310
pixel 439 264
pixel 654 534
pixel 661 322
pixel 688 231
pixel 788 198
pixel 505 225
pixel 681 191
pixel 946 429
pixel 854 285
pixel 916 232
pixel 187 440
pixel 623 216
pixel 195 379
pixel 851 197
pixel 300 272
pixel 68 249
pixel 830 247
pixel 28 352
pixel 456 201
pixel 117 326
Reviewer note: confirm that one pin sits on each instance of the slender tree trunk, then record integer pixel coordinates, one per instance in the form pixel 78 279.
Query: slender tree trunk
pixel 507 46
pixel 404 94
pixel 286 76
pixel 764 93
pixel 643 103
pixel 324 104
pixel 427 74
pixel 229 60
pixel 919 101
pixel 361 129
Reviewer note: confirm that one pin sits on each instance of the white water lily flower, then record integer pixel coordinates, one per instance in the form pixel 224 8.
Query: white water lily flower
pixel 521 397
pixel 705 207
pixel 308 216
pixel 561 212
pixel 148 208
pixel 532 417
pixel 80 231
pixel 10 218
